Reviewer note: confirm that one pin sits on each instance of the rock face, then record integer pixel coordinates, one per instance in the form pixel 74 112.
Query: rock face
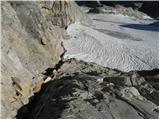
pixel 32 33
pixel 65 13
pixel 149 7
pixel 119 9
pixel 86 90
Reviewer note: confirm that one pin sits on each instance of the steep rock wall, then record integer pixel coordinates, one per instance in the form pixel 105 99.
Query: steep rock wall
pixel 31 42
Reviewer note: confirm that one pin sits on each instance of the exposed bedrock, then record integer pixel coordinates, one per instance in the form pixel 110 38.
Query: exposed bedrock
pixel 149 7
pixel 32 33
pixel 32 66
pixel 87 90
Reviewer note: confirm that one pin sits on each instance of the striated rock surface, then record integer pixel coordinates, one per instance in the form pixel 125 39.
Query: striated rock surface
pixel 32 33
pixel 63 13
pixel 86 90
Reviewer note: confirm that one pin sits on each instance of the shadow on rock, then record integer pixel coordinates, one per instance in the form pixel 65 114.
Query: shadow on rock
pixel 94 92
pixel 51 100
pixel 40 100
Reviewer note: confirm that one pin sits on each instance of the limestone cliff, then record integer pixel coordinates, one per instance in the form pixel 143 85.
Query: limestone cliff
pixel 32 33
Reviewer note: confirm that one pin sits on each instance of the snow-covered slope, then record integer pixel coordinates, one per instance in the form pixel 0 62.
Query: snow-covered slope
pixel 116 41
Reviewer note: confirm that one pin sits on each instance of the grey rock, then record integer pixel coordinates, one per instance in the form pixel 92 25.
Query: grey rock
pixel 32 33
pixel 77 94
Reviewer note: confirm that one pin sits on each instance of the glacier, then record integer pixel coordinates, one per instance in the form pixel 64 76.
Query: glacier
pixel 115 41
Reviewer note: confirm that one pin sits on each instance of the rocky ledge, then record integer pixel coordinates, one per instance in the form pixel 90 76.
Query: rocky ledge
pixel 87 90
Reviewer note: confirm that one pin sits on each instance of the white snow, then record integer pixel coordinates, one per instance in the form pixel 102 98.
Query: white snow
pixel 116 41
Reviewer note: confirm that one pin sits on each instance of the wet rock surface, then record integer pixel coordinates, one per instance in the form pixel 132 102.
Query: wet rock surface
pixel 87 90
